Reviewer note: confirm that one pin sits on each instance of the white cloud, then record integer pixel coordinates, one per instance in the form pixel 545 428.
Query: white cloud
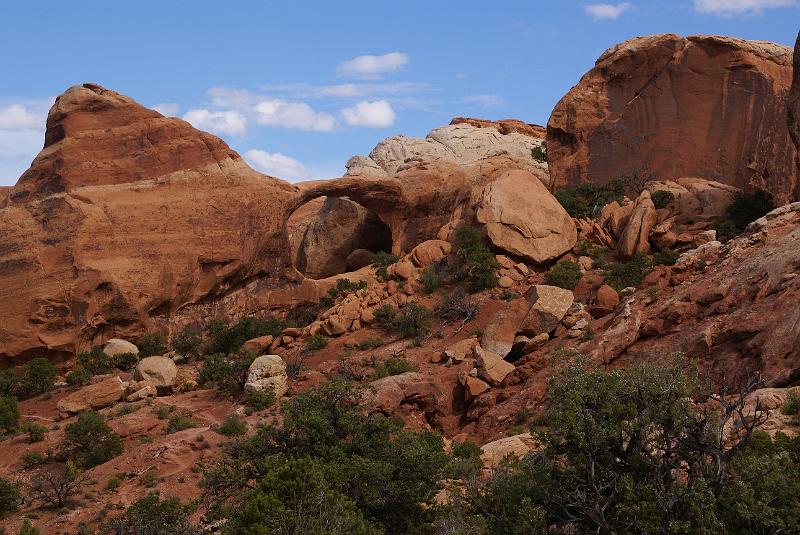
pixel 726 8
pixel 484 100
pixel 18 148
pixel 297 115
pixel 606 11
pixel 276 164
pixel 220 122
pixel 168 109
pixel 376 114
pixel 17 116
pixel 372 67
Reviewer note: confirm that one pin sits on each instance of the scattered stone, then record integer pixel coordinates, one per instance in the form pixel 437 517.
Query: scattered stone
pixel 549 304
pixel 257 346
pixel 607 297
pixel 95 396
pixel 158 371
pixel 491 366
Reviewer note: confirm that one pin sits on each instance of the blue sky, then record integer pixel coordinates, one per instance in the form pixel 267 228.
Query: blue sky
pixel 298 87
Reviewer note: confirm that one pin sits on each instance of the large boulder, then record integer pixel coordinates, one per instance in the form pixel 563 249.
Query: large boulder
pixel 118 346
pixel 491 366
pixel 158 371
pixel 267 372
pixel 549 304
pixel 339 227
pixel 701 106
pixel 517 446
pixel 502 327
pixel 522 218
pixel 95 396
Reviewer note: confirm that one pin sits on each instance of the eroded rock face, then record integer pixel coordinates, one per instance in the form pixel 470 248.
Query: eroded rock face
pixel 794 108
pixel 702 106
pixel 464 142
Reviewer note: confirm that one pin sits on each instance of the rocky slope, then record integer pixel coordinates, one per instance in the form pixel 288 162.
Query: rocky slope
pixel 702 106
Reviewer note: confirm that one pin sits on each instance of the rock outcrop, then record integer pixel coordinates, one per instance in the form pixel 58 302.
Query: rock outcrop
pixel 701 106
pixel 464 142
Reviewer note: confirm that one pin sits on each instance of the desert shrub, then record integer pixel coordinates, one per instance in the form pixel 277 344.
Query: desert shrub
pixel 465 461
pixel 583 200
pixel 125 361
pixel 326 302
pixel 260 399
pixel 36 432
pixel 153 516
pixel 385 317
pixel 665 257
pixel 393 366
pixel 630 273
pixel 637 179
pixel 413 321
pixel 164 411
pixel 346 286
pixel 662 198
pixel 187 343
pixel 539 153
pixel 566 274
pixel 38 377
pixel 78 376
pixel 8 382
pixel 370 343
pixel 180 422
pixel 472 261
pixel 226 372
pixel 9 496
pixel 631 443
pixel 595 252
pixel 33 458
pixel 792 405
pixel 743 210
pixel 9 415
pixel 457 306
pixel 381 261
pixel 90 441
pixel 431 280
pixel 56 484
pixel 303 315
pixel 230 338
pixel 115 481
pixel 316 342
pixel 233 426
pixel 331 462
pixel 151 344
pixel 28 529
pixel 95 362
pixel 726 229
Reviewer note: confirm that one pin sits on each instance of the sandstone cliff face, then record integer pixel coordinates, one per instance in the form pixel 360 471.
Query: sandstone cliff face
pixel 702 106
pixel 794 108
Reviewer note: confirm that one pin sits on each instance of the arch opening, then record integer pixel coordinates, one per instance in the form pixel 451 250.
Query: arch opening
pixel 331 235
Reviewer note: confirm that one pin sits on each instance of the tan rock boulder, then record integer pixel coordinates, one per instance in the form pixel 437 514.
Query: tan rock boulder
pixel 158 371
pixel 607 297
pixel 461 349
pixel 430 252
pixel 522 218
pixel 267 372
pixel 493 453
pixel 689 92
pixel 257 346
pixel 635 238
pixel 94 396
pixel 491 366
pixel 473 387
pixel 118 346
pixel 549 304
pixel 502 327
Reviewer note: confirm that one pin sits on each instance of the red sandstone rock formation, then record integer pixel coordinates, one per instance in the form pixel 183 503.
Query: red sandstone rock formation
pixel 129 222
pixel 794 107
pixel 702 106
